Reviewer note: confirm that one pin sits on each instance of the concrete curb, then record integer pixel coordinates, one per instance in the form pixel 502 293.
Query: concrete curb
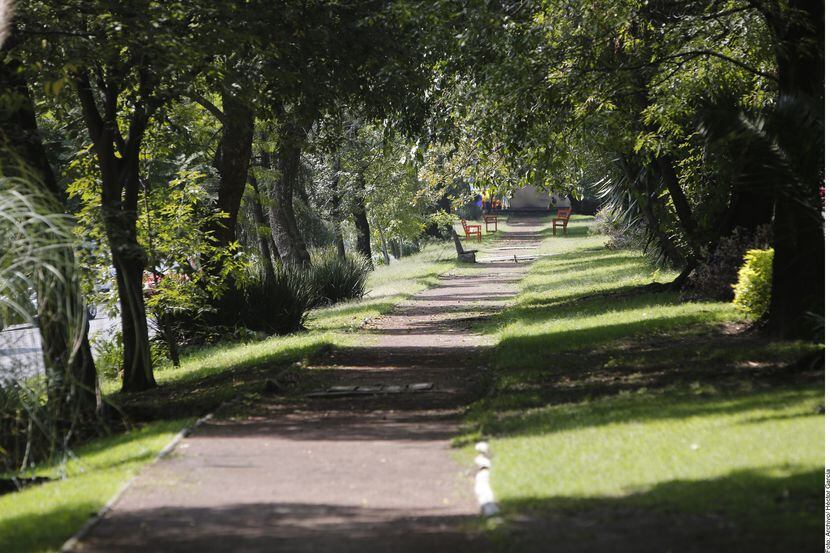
pixel 484 494
pixel 70 544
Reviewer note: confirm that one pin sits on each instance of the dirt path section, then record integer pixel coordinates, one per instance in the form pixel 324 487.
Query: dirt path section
pixel 367 474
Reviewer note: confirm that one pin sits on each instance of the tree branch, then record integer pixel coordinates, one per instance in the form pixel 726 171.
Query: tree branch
pixel 725 13
pixel 92 117
pixel 209 106
pixel 724 57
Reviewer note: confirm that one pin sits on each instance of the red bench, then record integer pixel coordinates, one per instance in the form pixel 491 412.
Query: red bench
pixel 471 229
pixel 563 215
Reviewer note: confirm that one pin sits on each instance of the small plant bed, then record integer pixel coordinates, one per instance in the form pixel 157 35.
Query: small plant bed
pixel 624 419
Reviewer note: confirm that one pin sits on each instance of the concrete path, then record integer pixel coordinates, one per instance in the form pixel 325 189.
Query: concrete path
pixel 358 474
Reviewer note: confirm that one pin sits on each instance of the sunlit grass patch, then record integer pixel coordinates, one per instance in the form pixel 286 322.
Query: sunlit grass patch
pixel 574 296
pixel 210 361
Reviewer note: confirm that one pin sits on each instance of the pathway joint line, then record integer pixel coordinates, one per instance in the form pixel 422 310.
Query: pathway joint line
pixel 70 544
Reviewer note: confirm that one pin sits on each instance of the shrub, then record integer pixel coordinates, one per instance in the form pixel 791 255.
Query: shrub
pixel 252 305
pixel 620 234
pixel 280 307
pixel 754 287
pixel 108 350
pixel 716 276
pixel 335 278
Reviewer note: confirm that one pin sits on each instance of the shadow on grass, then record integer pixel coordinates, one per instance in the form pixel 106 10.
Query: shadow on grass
pixel 534 349
pixel 540 345
pixel 757 510
pixel 640 407
pixel 574 231
pixel 588 258
pixel 204 389
pixel 621 270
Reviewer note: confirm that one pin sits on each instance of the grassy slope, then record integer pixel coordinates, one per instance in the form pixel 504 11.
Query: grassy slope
pixel 608 398
pixel 42 517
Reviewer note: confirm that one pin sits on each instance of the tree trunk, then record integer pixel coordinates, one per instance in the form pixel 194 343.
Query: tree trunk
pixel 338 241
pixel 798 233
pixel 646 200
pixel 361 221
pixel 232 163
pixel 336 215
pixel 663 166
pixel 668 175
pixel 129 260
pixel 172 339
pixel 395 246
pixel 119 206
pixel 62 352
pixel 286 233
pixel 263 232
pixel 265 162
pixel 384 250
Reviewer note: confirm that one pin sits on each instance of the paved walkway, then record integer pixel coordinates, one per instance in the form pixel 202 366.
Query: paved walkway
pixel 362 474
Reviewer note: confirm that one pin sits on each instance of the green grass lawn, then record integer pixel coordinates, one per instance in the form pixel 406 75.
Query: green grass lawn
pixel 608 396
pixel 40 518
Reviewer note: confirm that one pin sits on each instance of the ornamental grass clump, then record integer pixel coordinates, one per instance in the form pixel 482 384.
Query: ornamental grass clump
pixel 42 410
pixel 278 307
pixel 336 278
pixel 754 287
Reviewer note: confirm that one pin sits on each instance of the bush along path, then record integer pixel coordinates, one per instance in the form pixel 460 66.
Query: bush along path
pixel 364 466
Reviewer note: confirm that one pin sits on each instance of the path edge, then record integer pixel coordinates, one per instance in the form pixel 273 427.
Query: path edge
pixel 73 541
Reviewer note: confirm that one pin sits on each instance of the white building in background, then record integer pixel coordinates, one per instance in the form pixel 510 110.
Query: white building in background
pixel 533 198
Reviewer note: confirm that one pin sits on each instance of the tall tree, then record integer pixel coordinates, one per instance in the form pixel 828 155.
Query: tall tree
pixel 126 62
